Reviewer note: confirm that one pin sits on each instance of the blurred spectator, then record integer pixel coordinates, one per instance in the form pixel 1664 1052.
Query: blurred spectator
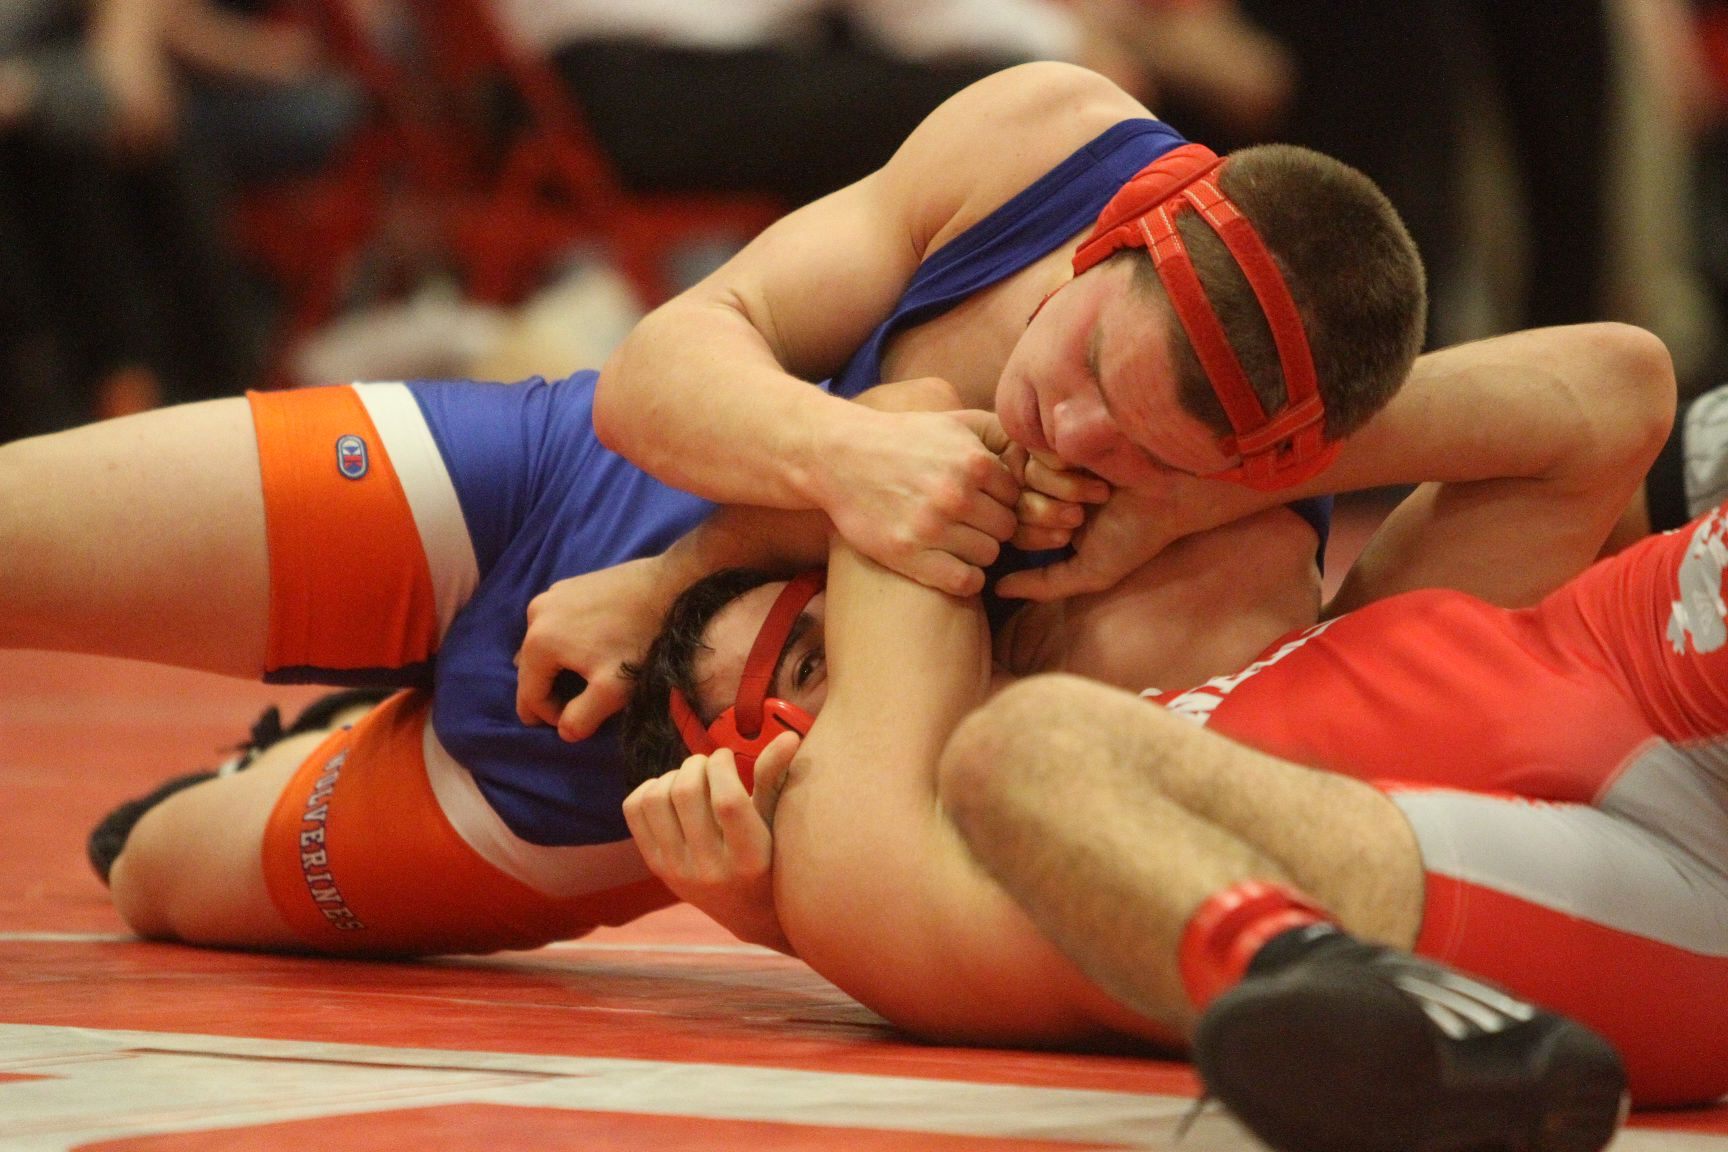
pixel 1535 149
pixel 1708 110
pixel 261 102
pixel 795 98
pixel 798 97
pixel 1586 209
pixel 764 96
pixel 133 296
pixel 1377 86
pixel 1550 66
pixel 38 389
pixel 1204 50
pixel 1668 265
pixel 1203 64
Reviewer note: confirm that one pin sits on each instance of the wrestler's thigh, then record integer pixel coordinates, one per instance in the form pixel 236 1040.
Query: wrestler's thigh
pixel 1341 840
pixel 140 537
pixel 193 866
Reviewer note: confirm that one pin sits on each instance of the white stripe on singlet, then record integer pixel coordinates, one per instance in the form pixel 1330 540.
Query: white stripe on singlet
pixel 560 873
pixel 1649 859
pixel 431 495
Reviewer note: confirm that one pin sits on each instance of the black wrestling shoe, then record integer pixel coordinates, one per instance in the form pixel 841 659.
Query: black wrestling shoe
pixel 108 839
pixel 1332 1045
pixel 267 730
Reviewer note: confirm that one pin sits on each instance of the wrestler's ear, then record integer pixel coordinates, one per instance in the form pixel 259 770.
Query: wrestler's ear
pixel 771 771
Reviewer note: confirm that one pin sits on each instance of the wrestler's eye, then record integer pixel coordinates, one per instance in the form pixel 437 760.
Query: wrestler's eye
pixel 808 667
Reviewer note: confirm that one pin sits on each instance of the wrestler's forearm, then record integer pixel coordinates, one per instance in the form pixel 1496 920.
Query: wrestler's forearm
pixel 782 539
pixel 687 399
pixel 1544 404
pixel 710 391
pixel 874 888
pixel 744 536
pixel 1538 440
pixel 1532 441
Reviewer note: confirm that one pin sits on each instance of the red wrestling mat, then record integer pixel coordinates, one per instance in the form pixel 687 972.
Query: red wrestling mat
pixel 665 1035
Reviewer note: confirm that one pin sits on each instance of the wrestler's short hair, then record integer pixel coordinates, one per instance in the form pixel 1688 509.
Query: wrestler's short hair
pixel 652 745
pixel 1352 269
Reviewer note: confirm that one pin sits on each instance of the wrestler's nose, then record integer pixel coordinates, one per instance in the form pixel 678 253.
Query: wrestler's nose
pixel 1082 431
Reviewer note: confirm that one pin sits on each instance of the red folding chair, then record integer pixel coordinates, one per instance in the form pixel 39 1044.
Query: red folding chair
pixel 550 185
pixel 314 234
pixel 438 173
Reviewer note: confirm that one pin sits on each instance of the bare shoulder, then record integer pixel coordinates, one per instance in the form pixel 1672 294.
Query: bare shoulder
pixel 995 137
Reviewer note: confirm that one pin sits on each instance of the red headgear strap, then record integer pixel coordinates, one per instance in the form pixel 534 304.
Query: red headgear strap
pixel 1276 453
pixel 754 719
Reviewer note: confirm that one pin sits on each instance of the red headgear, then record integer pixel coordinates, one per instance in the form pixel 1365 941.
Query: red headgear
pixel 1276 453
pixel 752 723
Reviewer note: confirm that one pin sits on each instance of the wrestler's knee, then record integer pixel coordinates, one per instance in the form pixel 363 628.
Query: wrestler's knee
pixel 142 882
pixel 1017 743
pixel 192 868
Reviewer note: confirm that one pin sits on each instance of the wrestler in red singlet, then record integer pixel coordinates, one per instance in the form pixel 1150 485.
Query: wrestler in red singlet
pixel 1565 768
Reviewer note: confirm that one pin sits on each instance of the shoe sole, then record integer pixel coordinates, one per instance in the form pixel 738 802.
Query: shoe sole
pixel 1327 1069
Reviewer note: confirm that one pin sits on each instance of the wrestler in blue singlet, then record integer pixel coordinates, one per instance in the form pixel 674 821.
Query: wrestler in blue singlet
pixel 544 501
pixel 1064 203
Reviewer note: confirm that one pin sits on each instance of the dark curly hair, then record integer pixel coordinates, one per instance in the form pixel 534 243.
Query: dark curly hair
pixel 652 745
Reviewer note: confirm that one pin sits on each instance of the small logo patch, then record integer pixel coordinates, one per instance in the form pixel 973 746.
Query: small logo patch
pixel 351 457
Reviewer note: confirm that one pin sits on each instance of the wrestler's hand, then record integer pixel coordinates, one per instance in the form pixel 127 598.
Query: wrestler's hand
pixel 589 625
pixel 922 493
pixel 1053 498
pixel 711 842
pixel 1131 527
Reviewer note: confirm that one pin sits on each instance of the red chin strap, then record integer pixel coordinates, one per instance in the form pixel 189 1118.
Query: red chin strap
pixel 752 723
pixel 1275 453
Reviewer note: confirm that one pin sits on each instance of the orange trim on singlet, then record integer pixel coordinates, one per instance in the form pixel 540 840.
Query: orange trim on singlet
pixel 349 583
pixel 359 858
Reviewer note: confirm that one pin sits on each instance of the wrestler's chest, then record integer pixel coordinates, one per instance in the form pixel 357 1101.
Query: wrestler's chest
pixel 969 344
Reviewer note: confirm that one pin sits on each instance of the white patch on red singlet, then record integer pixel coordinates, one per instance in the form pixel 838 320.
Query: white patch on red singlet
pixel 1198 704
pixel 1699 611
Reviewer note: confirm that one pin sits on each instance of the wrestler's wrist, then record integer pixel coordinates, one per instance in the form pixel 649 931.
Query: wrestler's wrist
pixel 698 553
pixel 818 459
pixel 763 928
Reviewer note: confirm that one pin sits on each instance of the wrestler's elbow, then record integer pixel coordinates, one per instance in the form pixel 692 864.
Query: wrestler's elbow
pixel 1632 391
pixel 631 396
pixel 612 406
